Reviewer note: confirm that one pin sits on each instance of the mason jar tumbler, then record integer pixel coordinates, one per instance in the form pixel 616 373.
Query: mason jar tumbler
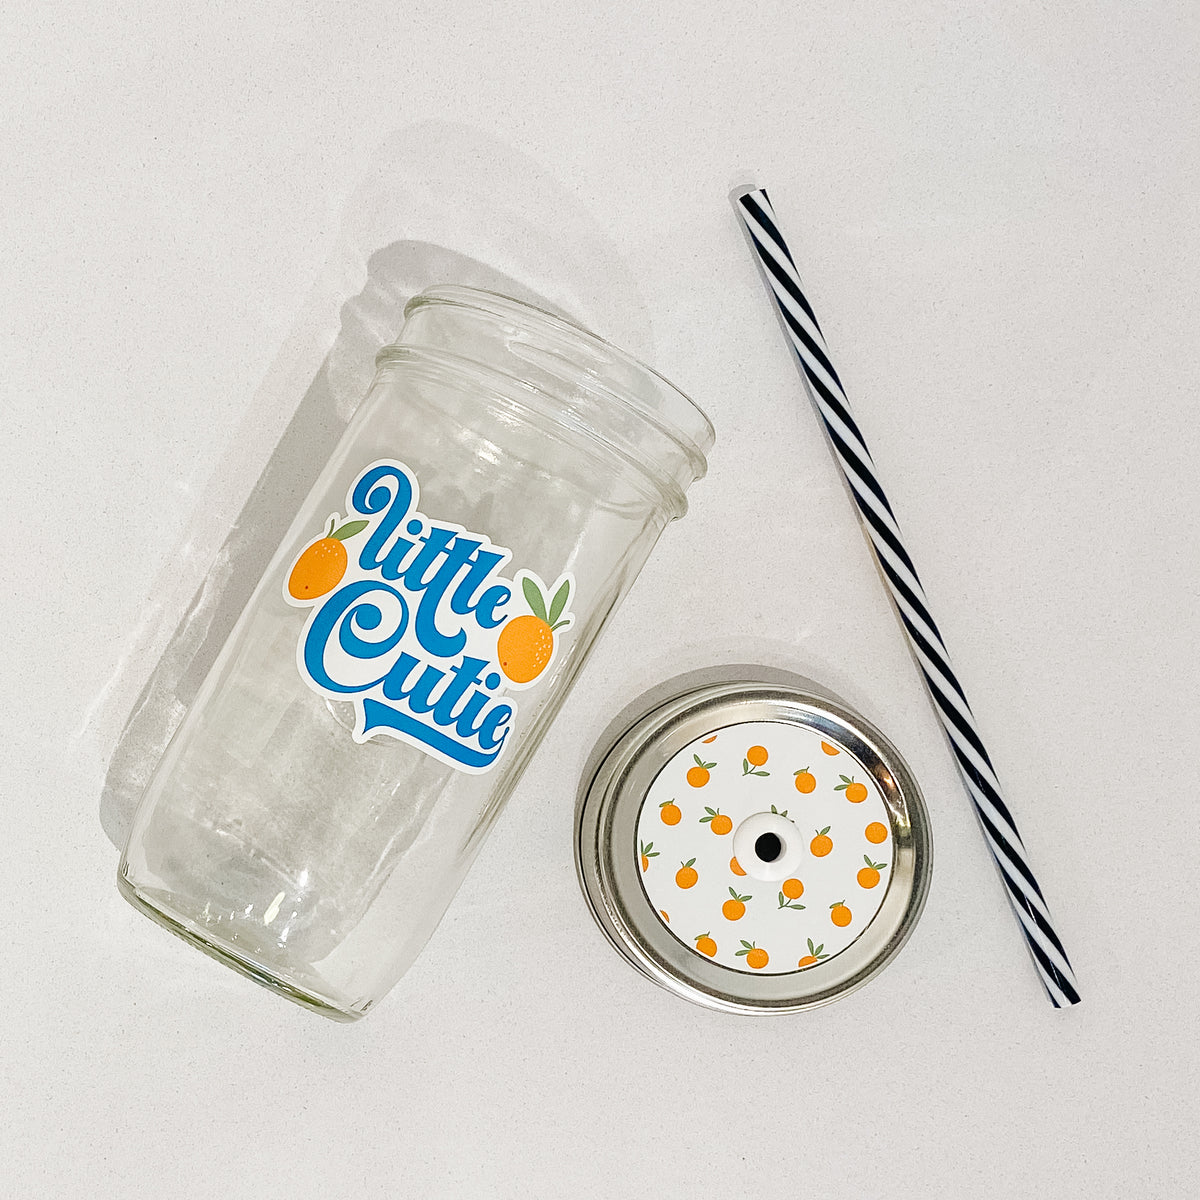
pixel 488 507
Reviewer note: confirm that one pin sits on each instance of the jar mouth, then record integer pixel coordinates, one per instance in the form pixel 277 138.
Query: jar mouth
pixel 672 412
pixel 530 403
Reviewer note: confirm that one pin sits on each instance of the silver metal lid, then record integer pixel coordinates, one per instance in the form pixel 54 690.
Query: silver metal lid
pixel 753 844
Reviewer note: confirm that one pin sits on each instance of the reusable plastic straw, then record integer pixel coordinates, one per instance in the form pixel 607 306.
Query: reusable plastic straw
pixel 825 391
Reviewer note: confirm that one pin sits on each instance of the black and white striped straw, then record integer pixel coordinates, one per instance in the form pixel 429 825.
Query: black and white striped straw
pixel 825 391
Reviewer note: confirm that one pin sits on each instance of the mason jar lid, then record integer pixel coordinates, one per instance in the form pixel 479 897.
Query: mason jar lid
pixel 753 845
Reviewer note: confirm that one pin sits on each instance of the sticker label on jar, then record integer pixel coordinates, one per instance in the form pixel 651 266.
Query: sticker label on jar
pixel 420 624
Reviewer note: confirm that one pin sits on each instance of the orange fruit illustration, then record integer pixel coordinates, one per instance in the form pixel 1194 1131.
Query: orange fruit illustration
pixel 814 955
pixel 736 867
pixel 524 648
pixel 753 762
pixel 822 844
pixel 668 810
pixel 793 889
pixel 856 793
pixel 755 956
pixel 734 909
pixel 705 944
pixel 717 821
pixel 839 914
pixel 648 852
pixel 806 781
pixel 321 567
pixel 698 775
pixel 526 643
pixel 868 876
pixel 686 876
pixel 876 832
pixel 829 749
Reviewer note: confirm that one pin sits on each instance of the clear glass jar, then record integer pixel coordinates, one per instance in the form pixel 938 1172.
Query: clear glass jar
pixel 488 507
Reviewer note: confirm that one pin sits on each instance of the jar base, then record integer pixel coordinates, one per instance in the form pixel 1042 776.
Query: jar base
pixel 230 958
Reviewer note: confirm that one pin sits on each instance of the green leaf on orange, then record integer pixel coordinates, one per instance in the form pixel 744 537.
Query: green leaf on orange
pixel 534 598
pixel 349 530
pixel 559 602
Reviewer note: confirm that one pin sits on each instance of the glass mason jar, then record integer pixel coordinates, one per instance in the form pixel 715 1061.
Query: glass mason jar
pixel 490 504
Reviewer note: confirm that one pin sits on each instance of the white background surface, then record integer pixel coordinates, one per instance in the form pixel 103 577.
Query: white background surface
pixel 994 207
